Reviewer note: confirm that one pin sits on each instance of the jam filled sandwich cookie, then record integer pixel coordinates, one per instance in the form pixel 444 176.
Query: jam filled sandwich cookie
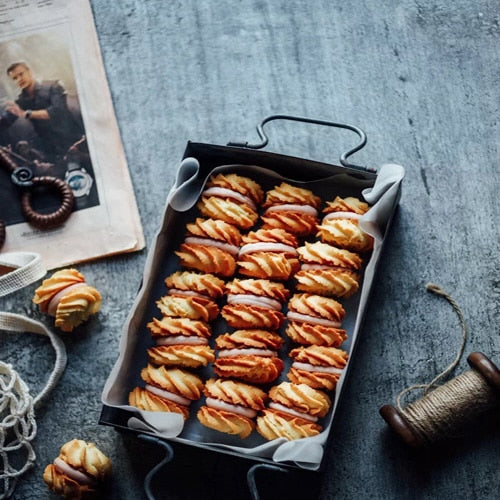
pixel 318 367
pixel 182 333
pixel 293 412
pixel 249 355
pixel 291 208
pixel 167 389
pixel 180 342
pixel 79 472
pixel 192 284
pixel 188 307
pixel 211 246
pixel 67 297
pixel 254 303
pixel 172 331
pixel 231 406
pixel 328 270
pixel 315 320
pixel 187 351
pixel 231 198
pixel 340 225
pixel 269 254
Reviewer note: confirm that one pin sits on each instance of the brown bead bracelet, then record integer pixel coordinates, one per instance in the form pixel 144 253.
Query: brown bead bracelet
pixel 54 219
pixel 23 178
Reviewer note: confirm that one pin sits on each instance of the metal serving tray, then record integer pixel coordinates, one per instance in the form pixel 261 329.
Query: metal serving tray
pixel 380 188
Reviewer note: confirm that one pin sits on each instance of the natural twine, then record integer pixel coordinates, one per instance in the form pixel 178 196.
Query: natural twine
pixel 440 412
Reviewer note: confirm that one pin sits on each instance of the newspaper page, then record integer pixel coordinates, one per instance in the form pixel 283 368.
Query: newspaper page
pixel 57 118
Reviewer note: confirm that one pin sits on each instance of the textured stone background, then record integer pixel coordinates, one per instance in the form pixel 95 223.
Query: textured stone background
pixel 422 79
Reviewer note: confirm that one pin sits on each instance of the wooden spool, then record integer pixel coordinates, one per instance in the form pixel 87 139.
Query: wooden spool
pixel 403 428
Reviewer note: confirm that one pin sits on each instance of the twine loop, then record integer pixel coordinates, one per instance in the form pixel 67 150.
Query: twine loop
pixel 431 287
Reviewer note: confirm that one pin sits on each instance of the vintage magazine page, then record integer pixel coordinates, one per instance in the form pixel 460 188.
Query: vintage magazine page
pixel 57 118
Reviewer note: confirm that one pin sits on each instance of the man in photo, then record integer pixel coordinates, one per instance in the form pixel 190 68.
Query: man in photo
pixel 45 105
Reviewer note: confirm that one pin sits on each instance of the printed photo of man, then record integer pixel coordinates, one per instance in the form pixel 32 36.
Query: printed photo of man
pixel 45 105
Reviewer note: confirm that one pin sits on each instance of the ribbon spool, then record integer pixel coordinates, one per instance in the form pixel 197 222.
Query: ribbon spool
pixel 441 412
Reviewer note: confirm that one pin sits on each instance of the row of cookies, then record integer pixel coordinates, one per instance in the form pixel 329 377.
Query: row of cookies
pixel 328 268
pixel 208 252
pixel 248 355
pixel 181 343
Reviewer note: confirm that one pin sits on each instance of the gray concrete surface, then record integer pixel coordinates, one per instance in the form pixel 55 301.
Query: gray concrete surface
pixel 422 79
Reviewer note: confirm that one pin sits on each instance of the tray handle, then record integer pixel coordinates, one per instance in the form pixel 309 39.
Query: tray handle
pixel 343 156
pixel 169 455
pixel 252 485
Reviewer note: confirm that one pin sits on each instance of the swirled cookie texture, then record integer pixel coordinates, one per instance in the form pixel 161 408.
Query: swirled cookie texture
pixel 210 245
pixel 231 198
pixel 210 259
pixel 79 471
pixel 268 253
pixel 292 209
pixel 245 316
pixel 216 231
pixel 231 406
pixel 249 355
pixel 268 265
pixel 285 194
pixel 67 297
pixel 51 286
pixel 254 303
pixel 350 204
pixel 270 239
pixel 316 309
pixel 328 281
pixel 181 355
pixel 250 190
pixel 322 254
pixel 315 319
pixel 340 225
pixel 195 284
pixel 293 412
pixel 167 389
pixel 251 338
pixel 318 367
pixel 184 330
pixel 315 334
pixel 174 380
pixel 227 210
pixel 273 425
pixel 301 398
pixel 252 368
pixel 188 307
pixel 148 401
pixel 259 292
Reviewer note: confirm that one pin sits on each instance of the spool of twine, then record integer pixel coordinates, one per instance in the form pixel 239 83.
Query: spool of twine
pixel 443 410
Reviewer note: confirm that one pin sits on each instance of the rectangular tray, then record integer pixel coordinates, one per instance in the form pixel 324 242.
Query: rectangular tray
pixel 381 189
